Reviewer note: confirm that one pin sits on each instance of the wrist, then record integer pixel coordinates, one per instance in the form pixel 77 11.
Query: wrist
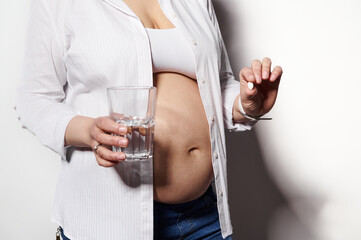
pixel 78 131
pixel 247 116
pixel 87 139
pixel 243 112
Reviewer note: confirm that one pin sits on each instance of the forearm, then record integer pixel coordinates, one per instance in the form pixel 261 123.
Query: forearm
pixel 78 131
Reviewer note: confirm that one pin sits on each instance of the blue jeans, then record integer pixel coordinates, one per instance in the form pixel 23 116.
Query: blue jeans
pixel 194 220
pixel 62 235
pixel 197 219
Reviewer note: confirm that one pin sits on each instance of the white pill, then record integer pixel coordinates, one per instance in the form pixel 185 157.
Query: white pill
pixel 250 85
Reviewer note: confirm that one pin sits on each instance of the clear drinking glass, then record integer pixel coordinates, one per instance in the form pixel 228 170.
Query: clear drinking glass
pixel 134 107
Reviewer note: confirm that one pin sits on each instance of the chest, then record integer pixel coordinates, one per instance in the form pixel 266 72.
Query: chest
pixel 149 13
pixel 107 45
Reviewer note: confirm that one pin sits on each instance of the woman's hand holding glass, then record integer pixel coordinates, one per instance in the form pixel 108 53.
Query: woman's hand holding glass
pixel 105 133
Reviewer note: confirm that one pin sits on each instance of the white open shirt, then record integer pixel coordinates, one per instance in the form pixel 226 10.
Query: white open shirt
pixel 75 50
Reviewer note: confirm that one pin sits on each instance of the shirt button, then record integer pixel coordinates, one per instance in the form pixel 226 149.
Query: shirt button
pixel 202 80
pixel 173 15
pixel 216 156
pixel 211 118
pixel 220 193
pixel 194 43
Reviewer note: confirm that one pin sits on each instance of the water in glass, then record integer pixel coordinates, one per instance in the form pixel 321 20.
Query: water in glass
pixel 140 137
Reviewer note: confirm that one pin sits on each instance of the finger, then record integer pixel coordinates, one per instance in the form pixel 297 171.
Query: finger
pixel 247 79
pixel 247 75
pixel 257 70
pixel 266 67
pixel 101 137
pixel 104 163
pixel 145 130
pixel 108 125
pixel 109 155
pixel 276 73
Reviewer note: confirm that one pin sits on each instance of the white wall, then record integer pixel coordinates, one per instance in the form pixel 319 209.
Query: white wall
pixel 311 147
pixel 28 171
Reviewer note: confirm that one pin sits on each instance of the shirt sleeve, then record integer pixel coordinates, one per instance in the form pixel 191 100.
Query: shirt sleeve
pixel 230 87
pixel 40 95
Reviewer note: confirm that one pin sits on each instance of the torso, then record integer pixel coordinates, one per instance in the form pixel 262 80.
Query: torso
pixel 182 154
pixel 182 151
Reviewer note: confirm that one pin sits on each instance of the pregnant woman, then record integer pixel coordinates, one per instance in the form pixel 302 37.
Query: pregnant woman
pixel 76 49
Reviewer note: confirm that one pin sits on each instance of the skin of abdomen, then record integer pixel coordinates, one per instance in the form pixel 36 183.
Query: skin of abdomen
pixel 182 150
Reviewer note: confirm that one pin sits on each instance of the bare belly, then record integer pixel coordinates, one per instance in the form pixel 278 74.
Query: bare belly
pixel 182 150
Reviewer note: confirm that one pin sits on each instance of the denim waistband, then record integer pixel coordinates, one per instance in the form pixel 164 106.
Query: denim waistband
pixel 207 196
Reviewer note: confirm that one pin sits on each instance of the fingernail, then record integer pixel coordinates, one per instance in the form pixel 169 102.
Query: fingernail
pixel 258 78
pixel 272 78
pixel 250 85
pixel 264 75
pixel 123 130
pixel 123 142
pixel 121 156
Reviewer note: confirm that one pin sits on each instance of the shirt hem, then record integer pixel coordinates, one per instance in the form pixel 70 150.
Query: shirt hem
pixel 227 234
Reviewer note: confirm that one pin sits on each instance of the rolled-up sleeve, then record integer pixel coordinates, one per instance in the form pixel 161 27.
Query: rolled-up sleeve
pixel 230 87
pixel 40 98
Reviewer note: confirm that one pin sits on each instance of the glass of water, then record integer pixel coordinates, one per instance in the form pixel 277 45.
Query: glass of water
pixel 134 107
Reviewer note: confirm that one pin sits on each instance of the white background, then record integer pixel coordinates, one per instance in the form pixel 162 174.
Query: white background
pixel 311 147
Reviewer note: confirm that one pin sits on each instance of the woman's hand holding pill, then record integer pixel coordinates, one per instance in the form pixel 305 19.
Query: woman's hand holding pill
pixel 259 87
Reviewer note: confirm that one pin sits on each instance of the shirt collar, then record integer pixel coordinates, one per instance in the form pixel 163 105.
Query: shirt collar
pixel 121 6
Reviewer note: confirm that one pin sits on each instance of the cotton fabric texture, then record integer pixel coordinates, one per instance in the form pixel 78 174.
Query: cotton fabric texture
pixel 78 48
pixel 171 52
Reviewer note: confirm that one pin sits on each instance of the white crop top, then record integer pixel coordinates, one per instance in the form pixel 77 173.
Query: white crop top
pixel 171 52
